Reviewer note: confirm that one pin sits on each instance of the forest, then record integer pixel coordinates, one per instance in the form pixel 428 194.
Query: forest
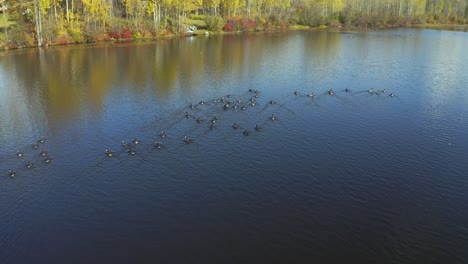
pixel 26 23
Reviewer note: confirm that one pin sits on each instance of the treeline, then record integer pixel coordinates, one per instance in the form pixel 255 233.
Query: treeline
pixel 42 22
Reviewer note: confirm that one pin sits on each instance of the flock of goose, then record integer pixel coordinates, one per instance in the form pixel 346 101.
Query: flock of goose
pixel 35 156
pixel 208 113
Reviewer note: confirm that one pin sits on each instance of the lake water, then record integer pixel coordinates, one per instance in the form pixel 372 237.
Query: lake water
pixel 350 177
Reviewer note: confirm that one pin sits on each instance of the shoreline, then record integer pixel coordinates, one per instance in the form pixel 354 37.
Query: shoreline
pixel 457 27
pixel 453 27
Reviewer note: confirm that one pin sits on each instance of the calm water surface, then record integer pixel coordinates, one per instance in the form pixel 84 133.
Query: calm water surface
pixel 334 179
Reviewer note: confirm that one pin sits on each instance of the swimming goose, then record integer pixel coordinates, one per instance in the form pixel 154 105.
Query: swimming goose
pixel 109 153
pixel 131 152
pixel 187 140
pixel 125 145
pixel 157 145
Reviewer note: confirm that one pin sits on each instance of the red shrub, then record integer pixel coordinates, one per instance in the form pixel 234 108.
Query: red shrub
pixel 249 25
pixel 234 24
pixel 115 35
pixel 229 27
pixel 126 33
pixel 62 40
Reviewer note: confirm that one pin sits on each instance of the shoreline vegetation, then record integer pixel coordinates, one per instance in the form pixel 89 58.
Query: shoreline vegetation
pixel 36 23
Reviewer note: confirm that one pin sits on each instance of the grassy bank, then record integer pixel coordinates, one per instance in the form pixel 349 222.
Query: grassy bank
pixel 442 26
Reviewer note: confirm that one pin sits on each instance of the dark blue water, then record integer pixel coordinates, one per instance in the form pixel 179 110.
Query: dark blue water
pixel 353 177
